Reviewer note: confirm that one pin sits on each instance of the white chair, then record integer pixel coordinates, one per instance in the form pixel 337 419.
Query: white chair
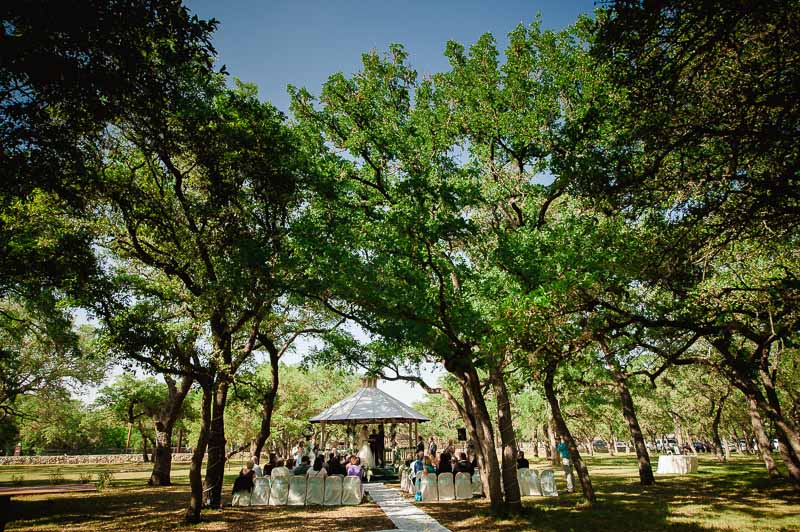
pixel 477 485
pixel 279 491
pixel 241 498
pixel 333 491
pixel 463 486
pixel 548 483
pixel 351 491
pixel 534 486
pixel 297 490
pixel 522 480
pixel 447 489
pixel 315 492
pixel 260 495
pixel 429 488
pixel 416 481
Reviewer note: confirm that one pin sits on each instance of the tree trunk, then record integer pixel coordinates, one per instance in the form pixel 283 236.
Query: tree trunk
pixel 722 454
pixel 164 421
pixel 563 430
pixel 215 469
pixel 478 416
pixel 612 444
pixel 678 430
pixel 764 445
pixel 145 454
pixel 646 477
pixel 551 435
pixel 536 441
pixel 268 399
pixel 548 449
pixel 195 470
pixel 589 447
pixel 508 441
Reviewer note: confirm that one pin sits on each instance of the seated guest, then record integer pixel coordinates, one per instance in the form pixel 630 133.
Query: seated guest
pixel 269 466
pixel 303 467
pixel 463 465
pixel 429 469
pixel 244 481
pixel 419 465
pixel 318 470
pixel 444 462
pixel 280 469
pixel 522 462
pixel 335 466
pixel 256 468
pixel 355 469
pixel 290 463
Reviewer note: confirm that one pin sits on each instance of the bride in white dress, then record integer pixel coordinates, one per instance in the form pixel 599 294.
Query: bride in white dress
pixel 365 453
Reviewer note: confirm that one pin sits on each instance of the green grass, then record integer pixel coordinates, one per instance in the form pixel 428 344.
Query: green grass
pixel 733 496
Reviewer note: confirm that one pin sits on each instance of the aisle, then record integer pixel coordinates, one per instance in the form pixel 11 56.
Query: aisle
pixel 405 516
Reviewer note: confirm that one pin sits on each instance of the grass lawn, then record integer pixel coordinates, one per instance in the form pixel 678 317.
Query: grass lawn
pixel 734 496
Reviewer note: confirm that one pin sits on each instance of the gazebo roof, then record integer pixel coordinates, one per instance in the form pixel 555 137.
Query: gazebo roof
pixel 369 405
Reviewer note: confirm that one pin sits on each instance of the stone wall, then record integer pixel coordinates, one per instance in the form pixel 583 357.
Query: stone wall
pixel 86 459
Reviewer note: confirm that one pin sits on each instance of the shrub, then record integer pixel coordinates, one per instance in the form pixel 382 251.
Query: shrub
pixel 17 480
pixel 55 476
pixel 85 478
pixel 104 480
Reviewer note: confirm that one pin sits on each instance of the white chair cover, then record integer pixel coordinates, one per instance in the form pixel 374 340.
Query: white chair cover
pixel 241 498
pixel 315 492
pixel 351 491
pixel 548 483
pixel 477 485
pixel 463 486
pixel 279 491
pixel 333 491
pixel 429 488
pixel 522 480
pixel 447 490
pixel 404 479
pixel 533 483
pixel 297 490
pixel 260 495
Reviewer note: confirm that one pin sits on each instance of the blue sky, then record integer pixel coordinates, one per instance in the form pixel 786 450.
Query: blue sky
pixel 275 43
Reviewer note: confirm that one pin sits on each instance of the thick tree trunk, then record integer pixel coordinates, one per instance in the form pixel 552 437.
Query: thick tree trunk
pixel 563 430
pixel 196 469
pixel 764 445
pixel 589 447
pixel 646 477
pixel 215 469
pixel 163 424
pixel 478 415
pixel 508 441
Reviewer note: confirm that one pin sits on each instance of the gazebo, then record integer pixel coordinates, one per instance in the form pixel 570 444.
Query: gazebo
pixel 369 406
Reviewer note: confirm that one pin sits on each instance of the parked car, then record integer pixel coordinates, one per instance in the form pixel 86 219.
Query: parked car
pixel 622 447
pixel 600 446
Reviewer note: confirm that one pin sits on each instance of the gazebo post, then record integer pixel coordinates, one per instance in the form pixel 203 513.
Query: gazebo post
pixel 322 439
pixel 411 440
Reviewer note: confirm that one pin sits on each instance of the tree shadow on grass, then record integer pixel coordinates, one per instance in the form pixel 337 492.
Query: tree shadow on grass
pixel 159 509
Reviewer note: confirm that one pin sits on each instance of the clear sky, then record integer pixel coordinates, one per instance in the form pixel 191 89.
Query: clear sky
pixel 274 43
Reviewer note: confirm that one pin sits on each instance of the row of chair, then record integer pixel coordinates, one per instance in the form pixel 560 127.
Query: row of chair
pixel 445 487
pixel 299 490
